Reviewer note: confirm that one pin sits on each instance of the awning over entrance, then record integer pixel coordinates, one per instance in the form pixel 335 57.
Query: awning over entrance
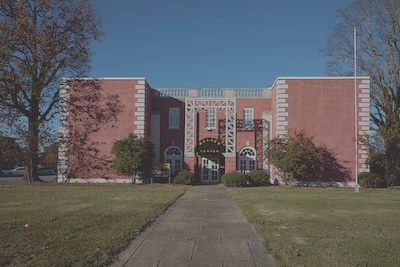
pixel 209 146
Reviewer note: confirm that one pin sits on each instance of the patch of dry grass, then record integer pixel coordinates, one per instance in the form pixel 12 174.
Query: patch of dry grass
pixel 75 225
pixel 325 226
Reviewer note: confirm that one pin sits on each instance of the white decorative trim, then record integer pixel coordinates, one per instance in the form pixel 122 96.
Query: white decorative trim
pixel 280 96
pixel 281 113
pixel 140 94
pixel 139 113
pixel 364 118
pixel 279 81
pixel 94 181
pixel 282 105
pixel 363 121
pixel 227 104
pixel 282 80
pixel 63 131
pixel 282 132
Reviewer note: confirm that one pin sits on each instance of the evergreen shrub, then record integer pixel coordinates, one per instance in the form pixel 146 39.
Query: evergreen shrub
pixel 235 179
pixel 260 177
pixel 371 180
pixel 184 177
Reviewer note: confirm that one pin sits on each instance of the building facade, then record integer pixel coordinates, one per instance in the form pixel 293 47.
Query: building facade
pixel 210 131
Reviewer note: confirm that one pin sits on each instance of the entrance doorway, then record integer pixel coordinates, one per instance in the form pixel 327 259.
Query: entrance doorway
pixel 210 170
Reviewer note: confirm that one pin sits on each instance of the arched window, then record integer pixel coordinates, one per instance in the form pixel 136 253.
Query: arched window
pixel 247 160
pixel 173 156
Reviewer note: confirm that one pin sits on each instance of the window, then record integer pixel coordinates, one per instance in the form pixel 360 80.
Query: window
pixel 247 160
pixel 210 118
pixel 173 156
pixel 174 118
pixel 248 117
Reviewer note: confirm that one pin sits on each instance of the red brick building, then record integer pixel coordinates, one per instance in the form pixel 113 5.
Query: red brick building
pixel 209 131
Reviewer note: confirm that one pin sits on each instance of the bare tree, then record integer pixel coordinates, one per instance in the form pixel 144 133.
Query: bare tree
pixel 41 41
pixel 378 55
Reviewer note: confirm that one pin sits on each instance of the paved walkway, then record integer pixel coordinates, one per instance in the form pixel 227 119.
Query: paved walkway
pixel 202 228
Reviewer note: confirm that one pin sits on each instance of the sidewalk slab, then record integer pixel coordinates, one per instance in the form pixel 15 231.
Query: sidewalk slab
pixel 204 227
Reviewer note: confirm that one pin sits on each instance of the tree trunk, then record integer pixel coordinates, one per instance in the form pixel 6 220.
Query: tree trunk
pixel 32 158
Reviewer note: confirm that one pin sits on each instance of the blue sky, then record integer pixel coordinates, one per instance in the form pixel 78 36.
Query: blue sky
pixel 213 43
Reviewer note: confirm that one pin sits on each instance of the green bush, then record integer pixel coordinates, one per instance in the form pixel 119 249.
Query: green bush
pixel 260 177
pixel 370 179
pixel 235 179
pixel 184 177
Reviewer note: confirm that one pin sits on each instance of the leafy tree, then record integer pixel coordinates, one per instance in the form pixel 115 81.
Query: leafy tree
pixel 378 56
pixel 133 154
pixel 11 153
pixel 41 41
pixel 295 156
pixel 49 157
pixel 378 159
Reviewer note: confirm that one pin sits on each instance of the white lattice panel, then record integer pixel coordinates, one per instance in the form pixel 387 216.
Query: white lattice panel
pixel 227 104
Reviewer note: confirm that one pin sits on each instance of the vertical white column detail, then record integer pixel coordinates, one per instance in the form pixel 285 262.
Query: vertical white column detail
pixel 363 121
pixel 63 132
pixel 140 116
pixel 189 127
pixel 230 127
pixel 281 112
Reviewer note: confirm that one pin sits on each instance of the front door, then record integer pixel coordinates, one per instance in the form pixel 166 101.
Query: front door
pixel 210 170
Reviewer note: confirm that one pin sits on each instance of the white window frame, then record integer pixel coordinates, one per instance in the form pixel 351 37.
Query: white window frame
pixel 248 118
pixel 174 117
pixel 247 160
pixel 211 118
pixel 173 156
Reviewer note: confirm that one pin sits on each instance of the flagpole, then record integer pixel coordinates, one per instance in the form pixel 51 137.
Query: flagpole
pixel 357 190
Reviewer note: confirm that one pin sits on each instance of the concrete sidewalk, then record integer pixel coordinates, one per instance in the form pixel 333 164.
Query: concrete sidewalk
pixel 202 228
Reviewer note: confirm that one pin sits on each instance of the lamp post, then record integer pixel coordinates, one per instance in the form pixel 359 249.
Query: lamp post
pixel 357 189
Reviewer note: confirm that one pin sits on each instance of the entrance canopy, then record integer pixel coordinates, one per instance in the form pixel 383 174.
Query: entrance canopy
pixel 209 146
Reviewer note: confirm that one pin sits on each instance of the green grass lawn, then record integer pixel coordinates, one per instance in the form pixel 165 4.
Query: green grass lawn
pixel 325 226
pixel 75 225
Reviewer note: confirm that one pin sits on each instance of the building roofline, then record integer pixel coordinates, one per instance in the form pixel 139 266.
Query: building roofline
pixel 106 78
pixel 319 78
pixel 206 88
